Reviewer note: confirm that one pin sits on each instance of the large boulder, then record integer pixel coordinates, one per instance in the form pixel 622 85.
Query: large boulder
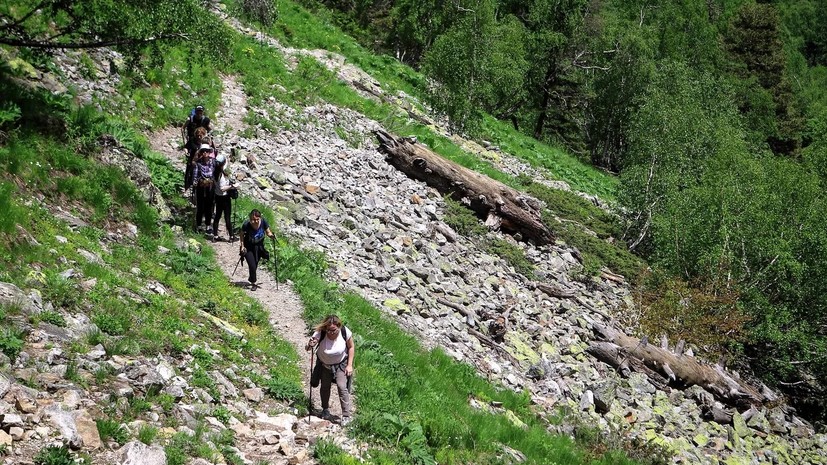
pixel 138 453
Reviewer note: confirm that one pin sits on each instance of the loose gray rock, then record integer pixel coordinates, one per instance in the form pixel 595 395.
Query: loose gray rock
pixel 138 453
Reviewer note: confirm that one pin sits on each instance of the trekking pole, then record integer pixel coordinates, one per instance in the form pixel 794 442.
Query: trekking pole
pixel 240 259
pixel 310 386
pixel 232 221
pixel 275 260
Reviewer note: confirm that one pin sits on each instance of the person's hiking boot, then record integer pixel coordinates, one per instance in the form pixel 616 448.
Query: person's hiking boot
pixel 253 286
pixel 326 414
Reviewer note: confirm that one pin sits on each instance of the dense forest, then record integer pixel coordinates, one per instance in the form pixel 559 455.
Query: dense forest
pixel 713 115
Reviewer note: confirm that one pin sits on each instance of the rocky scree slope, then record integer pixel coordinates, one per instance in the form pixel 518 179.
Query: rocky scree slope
pixel 386 240
pixel 62 386
pixel 384 236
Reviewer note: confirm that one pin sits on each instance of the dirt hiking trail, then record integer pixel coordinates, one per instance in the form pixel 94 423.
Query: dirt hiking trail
pixel 278 299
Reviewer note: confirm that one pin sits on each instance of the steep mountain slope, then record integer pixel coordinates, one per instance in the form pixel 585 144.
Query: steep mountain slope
pixel 385 239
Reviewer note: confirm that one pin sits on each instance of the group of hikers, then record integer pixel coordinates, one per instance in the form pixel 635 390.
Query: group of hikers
pixel 207 176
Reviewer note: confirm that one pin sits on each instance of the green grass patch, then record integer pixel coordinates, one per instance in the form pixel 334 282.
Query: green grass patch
pixel 11 341
pixel 413 403
pixel 54 455
pixel 300 28
pixel 512 254
pixel 462 220
pixel 154 97
pixel 263 73
pixel 55 169
pixel 147 434
pixel 580 176
pixel 111 429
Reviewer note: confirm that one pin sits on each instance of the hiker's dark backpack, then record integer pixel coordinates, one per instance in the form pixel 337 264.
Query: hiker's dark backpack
pixel 192 125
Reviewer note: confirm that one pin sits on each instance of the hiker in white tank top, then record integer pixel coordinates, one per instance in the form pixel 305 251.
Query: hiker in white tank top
pixel 335 351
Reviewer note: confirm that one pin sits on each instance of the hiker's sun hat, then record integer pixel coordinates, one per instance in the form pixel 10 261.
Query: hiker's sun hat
pixel 205 147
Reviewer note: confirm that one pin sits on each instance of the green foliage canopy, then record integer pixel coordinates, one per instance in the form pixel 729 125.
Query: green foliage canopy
pixel 62 24
pixel 703 205
pixel 478 64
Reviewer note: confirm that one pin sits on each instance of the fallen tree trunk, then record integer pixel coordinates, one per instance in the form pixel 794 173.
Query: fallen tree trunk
pixel 555 291
pixel 623 352
pixel 500 205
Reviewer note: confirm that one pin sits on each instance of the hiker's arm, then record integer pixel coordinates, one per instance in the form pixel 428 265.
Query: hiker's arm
pixel 269 233
pixel 184 131
pixel 351 349
pixel 241 249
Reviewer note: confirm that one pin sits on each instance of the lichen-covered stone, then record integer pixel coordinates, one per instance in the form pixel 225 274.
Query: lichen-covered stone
pixel 520 349
pixel 700 440
pixel 396 305
pixel 740 426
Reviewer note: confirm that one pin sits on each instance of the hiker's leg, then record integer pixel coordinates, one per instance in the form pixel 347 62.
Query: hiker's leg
pixel 188 176
pixel 217 215
pixel 222 205
pixel 252 264
pixel 344 394
pixel 227 212
pixel 200 206
pixel 210 199
pixel 324 389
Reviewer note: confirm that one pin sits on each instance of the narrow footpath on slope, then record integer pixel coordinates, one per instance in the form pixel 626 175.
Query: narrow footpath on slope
pixel 281 302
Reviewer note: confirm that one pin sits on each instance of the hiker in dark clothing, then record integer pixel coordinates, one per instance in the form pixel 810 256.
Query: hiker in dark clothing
pixel 203 167
pixel 193 145
pixel 334 347
pixel 252 248
pixel 196 120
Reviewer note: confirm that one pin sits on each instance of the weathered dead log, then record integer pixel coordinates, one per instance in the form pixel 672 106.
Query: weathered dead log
pixel 485 340
pixel 682 370
pixel 490 199
pixel 592 308
pixel 462 310
pixel 446 231
pixel 614 277
pixel 555 291
pixel 615 356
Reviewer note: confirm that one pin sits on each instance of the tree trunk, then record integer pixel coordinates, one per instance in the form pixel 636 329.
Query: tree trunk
pixel 544 102
pixel 499 204
pixel 623 352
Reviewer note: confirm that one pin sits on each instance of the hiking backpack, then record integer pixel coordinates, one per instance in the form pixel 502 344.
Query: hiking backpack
pixel 192 125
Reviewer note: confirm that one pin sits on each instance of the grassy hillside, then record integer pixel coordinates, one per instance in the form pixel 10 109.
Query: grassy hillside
pixel 414 404
pixel 568 215
pixel 147 289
